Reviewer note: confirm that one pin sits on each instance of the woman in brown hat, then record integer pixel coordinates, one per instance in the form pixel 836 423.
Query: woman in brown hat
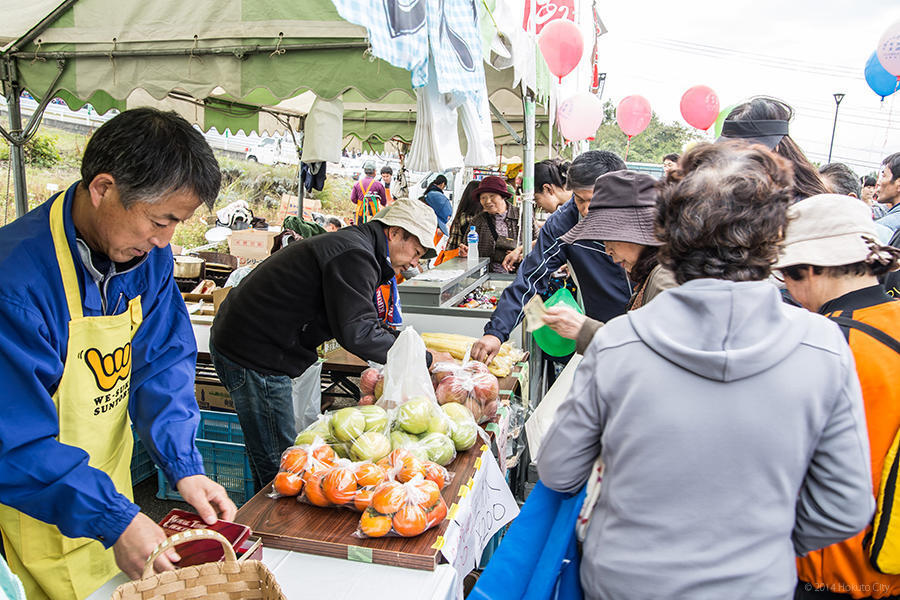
pixel 620 215
pixel 498 225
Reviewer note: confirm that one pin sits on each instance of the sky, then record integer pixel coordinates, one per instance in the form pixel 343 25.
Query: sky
pixel 799 51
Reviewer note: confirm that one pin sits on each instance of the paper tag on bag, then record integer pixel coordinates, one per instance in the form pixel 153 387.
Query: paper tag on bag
pixel 534 311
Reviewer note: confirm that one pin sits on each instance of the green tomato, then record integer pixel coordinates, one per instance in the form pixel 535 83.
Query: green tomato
pixel 347 424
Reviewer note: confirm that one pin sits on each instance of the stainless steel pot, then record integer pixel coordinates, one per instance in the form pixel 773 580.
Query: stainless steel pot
pixel 188 267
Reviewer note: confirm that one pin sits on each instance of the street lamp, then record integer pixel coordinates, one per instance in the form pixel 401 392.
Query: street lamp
pixel 837 105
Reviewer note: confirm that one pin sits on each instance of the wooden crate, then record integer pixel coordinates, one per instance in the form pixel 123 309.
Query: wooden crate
pixel 290 525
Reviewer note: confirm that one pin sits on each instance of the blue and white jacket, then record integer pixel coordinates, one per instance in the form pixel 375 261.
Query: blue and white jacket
pixel 39 476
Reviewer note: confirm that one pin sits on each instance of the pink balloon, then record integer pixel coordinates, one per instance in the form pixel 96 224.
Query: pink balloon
pixel 700 106
pixel 633 114
pixel 580 116
pixel 888 50
pixel 562 45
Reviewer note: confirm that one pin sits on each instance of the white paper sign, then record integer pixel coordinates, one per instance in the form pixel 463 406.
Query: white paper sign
pixel 488 505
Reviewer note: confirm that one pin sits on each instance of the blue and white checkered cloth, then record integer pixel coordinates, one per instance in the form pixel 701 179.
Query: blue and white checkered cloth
pixel 402 32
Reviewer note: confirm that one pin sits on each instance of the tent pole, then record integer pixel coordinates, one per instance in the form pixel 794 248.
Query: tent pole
pixel 16 154
pixel 528 173
pixel 534 377
pixel 16 136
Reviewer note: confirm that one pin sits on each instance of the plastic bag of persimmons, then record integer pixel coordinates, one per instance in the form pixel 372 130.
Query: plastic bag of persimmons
pixel 315 475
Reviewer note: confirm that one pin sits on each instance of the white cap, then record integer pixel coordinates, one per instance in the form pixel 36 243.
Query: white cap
pixel 415 217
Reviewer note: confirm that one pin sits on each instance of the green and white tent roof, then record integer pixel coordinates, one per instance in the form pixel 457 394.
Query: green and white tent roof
pixel 234 55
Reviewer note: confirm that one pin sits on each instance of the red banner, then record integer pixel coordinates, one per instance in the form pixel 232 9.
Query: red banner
pixel 546 11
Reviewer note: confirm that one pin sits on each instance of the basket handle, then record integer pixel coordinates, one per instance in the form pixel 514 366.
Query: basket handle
pixel 188 536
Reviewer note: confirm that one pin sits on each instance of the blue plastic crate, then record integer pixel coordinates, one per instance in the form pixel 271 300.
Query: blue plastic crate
pixel 220 442
pixel 142 465
pixel 226 463
pixel 220 426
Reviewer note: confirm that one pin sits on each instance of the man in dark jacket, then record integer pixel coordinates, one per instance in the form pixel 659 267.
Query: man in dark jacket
pixel 603 285
pixel 269 327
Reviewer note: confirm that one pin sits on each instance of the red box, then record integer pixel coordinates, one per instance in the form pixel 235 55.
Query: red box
pixel 204 551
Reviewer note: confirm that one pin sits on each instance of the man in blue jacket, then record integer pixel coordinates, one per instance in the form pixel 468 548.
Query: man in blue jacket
pixel 603 285
pixel 887 189
pixel 95 336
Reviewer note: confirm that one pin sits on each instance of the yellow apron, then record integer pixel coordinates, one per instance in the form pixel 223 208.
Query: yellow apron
pixel 92 406
pixel 366 207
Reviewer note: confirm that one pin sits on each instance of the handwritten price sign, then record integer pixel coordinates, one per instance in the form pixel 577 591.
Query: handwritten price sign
pixel 484 507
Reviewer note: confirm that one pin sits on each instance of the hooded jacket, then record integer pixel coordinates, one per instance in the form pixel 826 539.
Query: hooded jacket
pixel 304 294
pixel 732 431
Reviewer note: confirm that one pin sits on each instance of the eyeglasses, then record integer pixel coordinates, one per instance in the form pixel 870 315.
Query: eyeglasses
pixel 582 199
pixel 778 275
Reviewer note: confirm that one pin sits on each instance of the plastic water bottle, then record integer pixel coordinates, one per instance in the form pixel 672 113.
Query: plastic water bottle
pixel 472 242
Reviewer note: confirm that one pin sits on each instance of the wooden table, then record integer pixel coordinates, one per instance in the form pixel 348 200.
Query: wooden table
pixel 290 525
pixel 338 366
pixel 342 361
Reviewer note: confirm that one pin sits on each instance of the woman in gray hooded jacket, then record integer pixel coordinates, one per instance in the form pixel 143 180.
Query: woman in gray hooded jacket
pixel 730 424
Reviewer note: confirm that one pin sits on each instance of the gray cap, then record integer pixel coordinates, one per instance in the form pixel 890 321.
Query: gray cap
pixel 369 167
pixel 415 217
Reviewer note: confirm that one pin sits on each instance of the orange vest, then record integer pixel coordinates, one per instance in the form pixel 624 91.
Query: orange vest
pixel 844 567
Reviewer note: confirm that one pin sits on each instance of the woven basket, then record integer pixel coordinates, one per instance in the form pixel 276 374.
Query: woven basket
pixel 228 580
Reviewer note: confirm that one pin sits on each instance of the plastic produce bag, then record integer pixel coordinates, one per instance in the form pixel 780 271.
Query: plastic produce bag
pixel 471 385
pixel 451 429
pixel 371 384
pixel 306 394
pixel 403 509
pixel 298 463
pixel 405 373
pixel 345 484
pixel 356 432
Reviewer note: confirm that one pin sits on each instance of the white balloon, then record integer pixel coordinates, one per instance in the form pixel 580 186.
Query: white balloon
pixel 579 116
pixel 888 50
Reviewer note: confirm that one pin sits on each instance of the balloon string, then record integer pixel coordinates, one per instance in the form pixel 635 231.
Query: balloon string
pixel 627 147
pixel 887 129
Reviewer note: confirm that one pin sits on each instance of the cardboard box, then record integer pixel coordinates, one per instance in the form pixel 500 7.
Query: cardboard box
pixel 212 395
pixel 290 205
pixel 211 302
pixel 251 243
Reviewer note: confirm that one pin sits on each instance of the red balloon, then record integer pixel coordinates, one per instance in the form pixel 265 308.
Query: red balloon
pixel 633 114
pixel 562 45
pixel 700 106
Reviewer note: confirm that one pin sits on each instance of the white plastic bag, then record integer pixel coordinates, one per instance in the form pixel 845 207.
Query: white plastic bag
pixel 543 416
pixel 323 131
pixel 306 393
pixel 406 373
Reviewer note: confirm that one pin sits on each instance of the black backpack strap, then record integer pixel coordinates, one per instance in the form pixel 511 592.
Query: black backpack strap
pixel 876 333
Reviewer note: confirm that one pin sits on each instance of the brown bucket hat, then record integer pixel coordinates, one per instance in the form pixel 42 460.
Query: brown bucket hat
pixel 622 209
